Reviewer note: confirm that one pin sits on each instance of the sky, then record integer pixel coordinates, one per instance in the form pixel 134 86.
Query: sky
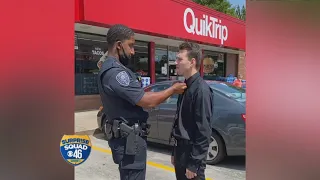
pixel 237 2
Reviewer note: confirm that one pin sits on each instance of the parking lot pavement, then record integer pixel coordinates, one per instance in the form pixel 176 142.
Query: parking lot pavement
pixel 100 166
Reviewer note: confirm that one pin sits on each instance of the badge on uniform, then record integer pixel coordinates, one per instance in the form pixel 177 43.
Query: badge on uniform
pixel 123 78
pixel 75 149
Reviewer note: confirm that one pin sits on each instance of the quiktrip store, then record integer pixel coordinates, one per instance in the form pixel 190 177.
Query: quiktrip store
pixel 160 26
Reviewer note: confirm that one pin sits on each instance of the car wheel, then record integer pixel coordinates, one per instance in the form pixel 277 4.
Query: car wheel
pixel 217 150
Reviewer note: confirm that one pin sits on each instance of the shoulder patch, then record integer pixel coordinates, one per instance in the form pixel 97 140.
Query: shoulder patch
pixel 123 78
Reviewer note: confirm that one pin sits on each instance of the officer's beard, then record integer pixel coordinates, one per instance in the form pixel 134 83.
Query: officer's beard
pixel 124 59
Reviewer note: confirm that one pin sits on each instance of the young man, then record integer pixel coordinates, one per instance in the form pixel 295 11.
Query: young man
pixel 123 101
pixel 192 127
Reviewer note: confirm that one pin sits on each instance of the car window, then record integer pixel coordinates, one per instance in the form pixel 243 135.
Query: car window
pixel 171 100
pixel 231 91
pixel 158 88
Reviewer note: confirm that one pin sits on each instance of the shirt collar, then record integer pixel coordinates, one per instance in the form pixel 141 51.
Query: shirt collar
pixel 111 58
pixel 191 79
pixel 115 60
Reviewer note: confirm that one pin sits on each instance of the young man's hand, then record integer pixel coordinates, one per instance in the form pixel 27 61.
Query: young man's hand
pixel 190 174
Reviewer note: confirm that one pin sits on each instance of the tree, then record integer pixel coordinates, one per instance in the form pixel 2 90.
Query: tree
pixel 243 12
pixel 240 12
pixel 224 6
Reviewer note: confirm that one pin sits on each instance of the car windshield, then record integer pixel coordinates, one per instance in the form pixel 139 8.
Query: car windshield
pixel 234 92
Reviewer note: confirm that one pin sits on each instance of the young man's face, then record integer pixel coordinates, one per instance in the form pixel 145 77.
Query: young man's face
pixel 183 64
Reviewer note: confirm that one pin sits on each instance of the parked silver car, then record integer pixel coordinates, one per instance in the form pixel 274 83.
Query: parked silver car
pixel 228 133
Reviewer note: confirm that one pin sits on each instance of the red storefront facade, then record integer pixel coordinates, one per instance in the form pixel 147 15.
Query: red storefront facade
pixel 160 26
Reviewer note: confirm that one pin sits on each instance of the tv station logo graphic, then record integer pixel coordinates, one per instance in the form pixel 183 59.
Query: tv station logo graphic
pixel 75 149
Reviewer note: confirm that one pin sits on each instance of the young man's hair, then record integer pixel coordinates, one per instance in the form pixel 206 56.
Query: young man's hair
pixel 193 52
pixel 118 32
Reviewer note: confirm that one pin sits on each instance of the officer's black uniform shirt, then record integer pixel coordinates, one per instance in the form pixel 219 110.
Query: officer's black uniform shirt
pixel 120 91
pixel 195 118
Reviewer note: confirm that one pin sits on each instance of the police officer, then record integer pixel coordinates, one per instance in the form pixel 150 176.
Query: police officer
pixel 123 100
pixel 192 127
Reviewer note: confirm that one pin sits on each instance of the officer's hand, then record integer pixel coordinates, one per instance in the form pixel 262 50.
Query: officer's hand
pixel 190 174
pixel 172 160
pixel 179 87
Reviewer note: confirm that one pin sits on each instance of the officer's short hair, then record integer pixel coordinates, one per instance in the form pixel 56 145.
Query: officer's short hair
pixel 118 32
pixel 193 50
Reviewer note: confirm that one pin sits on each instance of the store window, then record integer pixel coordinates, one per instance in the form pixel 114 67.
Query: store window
pixel 213 65
pixel 88 50
pixel 232 64
pixel 140 61
pixel 161 63
pixel 172 55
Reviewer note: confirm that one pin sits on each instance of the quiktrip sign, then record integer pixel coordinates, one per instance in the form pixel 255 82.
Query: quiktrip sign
pixel 182 19
pixel 205 26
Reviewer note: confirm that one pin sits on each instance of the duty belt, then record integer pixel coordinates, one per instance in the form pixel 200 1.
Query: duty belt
pixel 120 128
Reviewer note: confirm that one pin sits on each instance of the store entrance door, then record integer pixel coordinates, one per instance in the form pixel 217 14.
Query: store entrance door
pixel 161 58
